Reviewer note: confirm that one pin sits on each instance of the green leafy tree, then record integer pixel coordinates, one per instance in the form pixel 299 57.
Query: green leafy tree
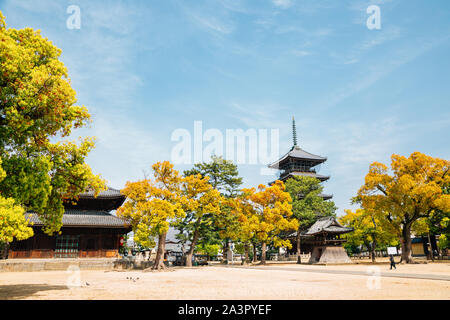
pixel 209 250
pixel 439 223
pixel 370 229
pixel 307 204
pixel 224 177
pixel 38 107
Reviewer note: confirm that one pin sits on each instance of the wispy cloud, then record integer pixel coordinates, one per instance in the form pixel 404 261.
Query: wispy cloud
pixel 209 19
pixel 124 148
pixel 301 53
pixel 378 69
pixel 258 115
pixel 282 3
pixel 211 23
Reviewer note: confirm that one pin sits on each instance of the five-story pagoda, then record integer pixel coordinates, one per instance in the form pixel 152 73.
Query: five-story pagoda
pixel 298 162
pixel 322 240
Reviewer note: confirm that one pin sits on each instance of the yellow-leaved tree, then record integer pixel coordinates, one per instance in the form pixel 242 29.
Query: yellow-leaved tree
pixel 152 205
pixel 413 190
pixel 13 223
pixel 200 199
pixel 243 229
pixel 38 107
pixel 271 214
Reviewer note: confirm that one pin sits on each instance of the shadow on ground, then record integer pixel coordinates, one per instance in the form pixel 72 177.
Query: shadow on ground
pixel 22 291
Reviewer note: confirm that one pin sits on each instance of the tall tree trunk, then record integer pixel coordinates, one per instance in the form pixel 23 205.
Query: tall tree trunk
pixel 407 247
pixel 190 253
pixel 402 247
pixel 373 247
pixel 431 247
pixel 246 248
pixel 159 260
pixel 225 252
pixel 373 252
pixel 254 251
pixel 374 241
pixel 263 253
pixel 299 258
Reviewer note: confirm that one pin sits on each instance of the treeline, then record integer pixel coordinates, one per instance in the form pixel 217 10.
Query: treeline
pixel 410 197
pixel 209 209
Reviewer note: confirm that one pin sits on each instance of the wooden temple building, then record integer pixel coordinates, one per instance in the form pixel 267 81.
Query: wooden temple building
pixel 322 240
pixel 89 230
pixel 298 162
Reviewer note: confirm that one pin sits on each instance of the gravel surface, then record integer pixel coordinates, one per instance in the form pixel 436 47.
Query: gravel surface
pixel 216 282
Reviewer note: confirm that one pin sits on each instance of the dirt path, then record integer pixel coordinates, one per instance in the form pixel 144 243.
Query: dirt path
pixel 369 270
pixel 207 283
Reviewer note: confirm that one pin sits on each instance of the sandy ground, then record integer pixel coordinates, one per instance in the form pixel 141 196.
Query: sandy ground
pixel 215 282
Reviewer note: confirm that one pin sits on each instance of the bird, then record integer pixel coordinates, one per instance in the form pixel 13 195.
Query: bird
pixel 87 284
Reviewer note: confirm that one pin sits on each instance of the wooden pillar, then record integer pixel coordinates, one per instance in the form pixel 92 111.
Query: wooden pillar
pixel 99 247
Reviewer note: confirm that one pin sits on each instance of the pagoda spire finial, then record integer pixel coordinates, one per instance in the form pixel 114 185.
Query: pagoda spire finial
pixel 294 131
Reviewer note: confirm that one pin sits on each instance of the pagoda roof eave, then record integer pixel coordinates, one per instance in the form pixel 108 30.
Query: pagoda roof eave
pixel 297 153
pixel 109 193
pixel 322 195
pixel 327 225
pixel 107 200
pixel 327 231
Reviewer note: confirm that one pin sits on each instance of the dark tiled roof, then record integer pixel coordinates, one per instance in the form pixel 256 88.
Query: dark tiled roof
pixel 109 193
pixel 327 224
pixel 92 218
pixel 298 153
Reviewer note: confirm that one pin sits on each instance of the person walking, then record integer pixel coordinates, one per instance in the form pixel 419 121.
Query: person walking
pixel 391 259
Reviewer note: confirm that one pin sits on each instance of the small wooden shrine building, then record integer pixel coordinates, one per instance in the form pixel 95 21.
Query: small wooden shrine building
pixel 89 230
pixel 324 238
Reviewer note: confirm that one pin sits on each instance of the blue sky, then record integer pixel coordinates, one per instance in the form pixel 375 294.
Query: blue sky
pixel 146 68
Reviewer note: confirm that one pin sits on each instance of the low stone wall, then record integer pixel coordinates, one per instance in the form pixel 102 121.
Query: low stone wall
pixel 30 265
pixel 127 264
